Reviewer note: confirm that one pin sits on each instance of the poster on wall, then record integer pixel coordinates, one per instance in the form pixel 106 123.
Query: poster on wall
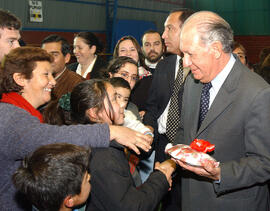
pixel 35 10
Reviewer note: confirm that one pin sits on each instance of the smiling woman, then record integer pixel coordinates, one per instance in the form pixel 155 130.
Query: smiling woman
pixel 27 79
pixel 86 47
pixel 26 83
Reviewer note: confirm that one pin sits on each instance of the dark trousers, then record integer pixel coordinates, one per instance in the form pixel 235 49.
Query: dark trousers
pixel 172 200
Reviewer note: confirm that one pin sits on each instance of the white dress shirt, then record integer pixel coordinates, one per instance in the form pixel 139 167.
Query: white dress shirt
pixel 89 69
pixel 219 80
pixel 162 120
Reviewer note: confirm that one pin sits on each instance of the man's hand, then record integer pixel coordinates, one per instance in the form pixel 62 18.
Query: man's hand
pixel 167 167
pixel 130 138
pixel 208 169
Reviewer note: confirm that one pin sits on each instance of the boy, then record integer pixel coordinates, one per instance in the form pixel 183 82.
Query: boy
pixel 123 90
pixel 140 173
pixel 55 177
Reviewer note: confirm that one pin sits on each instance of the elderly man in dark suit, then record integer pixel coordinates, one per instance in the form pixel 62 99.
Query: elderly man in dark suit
pixel 233 113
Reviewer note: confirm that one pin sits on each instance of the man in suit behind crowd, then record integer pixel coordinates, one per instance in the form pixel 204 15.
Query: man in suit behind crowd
pixel 235 118
pixel 160 94
pixel 152 48
pixel 163 80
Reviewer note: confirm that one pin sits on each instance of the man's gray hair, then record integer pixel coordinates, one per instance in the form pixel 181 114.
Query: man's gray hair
pixel 216 29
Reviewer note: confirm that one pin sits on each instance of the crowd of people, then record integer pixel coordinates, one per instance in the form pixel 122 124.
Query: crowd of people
pixel 91 135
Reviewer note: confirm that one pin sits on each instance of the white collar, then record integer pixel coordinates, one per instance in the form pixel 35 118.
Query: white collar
pixel 221 77
pixel 152 65
pixel 89 69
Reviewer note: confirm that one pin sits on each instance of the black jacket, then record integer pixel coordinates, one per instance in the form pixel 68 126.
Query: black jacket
pixel 113 187
pixel 99 66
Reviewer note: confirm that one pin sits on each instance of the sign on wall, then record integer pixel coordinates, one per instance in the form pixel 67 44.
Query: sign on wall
pixel 35 10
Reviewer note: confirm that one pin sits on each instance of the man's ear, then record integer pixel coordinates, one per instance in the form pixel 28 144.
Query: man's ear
pixel 68 202
pixel 19 79
pixel 67 58
pixel 92 114
pixel 216 49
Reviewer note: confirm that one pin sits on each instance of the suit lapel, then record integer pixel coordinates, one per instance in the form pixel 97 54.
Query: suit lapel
pixel 224 98
pixel 195 109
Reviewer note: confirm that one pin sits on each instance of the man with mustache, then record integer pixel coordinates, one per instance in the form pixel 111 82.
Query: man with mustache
pixel 152 48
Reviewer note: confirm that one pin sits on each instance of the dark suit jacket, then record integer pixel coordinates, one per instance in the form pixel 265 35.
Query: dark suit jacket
pixel 159 96
pixel 113 187
pixel 160 90
pixel 99 65
pixel 238 123
pixel 139 94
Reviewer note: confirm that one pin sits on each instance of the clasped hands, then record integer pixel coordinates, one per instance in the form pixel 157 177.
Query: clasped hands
pixel 167 167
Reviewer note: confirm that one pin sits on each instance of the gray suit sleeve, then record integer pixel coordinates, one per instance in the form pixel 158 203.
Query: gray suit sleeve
pixel 255 166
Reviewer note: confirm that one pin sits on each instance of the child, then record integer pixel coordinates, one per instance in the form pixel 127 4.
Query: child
pixel 94 101
pixel 55 177
pixel 123 90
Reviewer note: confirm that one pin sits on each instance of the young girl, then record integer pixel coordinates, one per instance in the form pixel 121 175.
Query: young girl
pixel 113 188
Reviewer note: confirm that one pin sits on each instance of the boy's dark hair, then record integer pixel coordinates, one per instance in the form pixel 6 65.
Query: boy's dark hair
pixel 52 173
pixel 8 20
pixel 65 47
pixel 120 82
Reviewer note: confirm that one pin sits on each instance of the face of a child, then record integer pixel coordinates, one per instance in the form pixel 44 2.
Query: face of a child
pixel 122 96
pixel 117 111
pixel 85 190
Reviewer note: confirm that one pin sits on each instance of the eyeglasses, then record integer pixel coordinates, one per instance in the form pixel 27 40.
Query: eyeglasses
pixel 127 76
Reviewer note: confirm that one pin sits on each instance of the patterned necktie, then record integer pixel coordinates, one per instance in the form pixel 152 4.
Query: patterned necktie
pixel 173 119
pixel 205 97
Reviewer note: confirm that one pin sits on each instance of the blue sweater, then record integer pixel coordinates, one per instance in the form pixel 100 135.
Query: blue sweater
pixel 21 133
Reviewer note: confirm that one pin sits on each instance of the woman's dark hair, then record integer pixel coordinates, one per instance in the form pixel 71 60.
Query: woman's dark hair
pixel 91 39
pixel 141 61
pixel 20 60
pixel 117 63
pixel 86 95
